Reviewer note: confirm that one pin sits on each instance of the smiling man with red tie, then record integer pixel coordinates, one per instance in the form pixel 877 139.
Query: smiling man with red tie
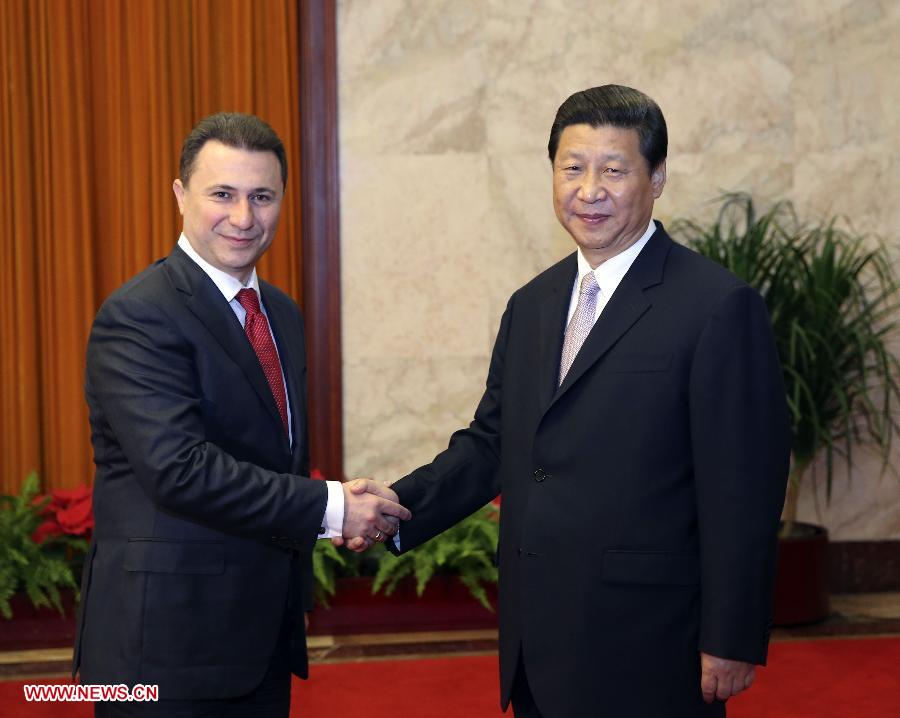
pixel 198 577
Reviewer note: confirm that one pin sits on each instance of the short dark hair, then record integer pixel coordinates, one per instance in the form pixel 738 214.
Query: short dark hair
pixel 234 129
pixel 617 106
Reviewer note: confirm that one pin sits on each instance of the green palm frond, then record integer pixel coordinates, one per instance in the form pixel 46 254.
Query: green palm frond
pixel 466 549
pixel 326 563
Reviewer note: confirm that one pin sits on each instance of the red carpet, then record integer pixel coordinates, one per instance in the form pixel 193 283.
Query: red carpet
pixel 835 678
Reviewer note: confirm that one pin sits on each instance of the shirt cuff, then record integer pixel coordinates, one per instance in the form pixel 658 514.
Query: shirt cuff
pixel 333 520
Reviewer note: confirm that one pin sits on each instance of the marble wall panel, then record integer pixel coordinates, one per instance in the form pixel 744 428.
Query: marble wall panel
pixel 859 181
pixel 755 116
pixel 398 413
pixel 412 74
pixel 845 78
pixel 864 503
pixel 445 107
pixel 414 241
pixel 527 235
pixel 540 52
pixel 697 179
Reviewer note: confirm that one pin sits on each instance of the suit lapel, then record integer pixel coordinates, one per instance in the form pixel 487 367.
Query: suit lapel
pixel 206 302
pixel 553 311
pixel 626 307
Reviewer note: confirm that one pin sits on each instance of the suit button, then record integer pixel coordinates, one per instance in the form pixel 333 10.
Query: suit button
pixel 540 475
pixel 321 530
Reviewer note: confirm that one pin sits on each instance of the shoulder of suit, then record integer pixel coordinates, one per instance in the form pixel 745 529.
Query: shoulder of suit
pixel 704 273
pixel 703 285
pixel 148 297
pixel 144 284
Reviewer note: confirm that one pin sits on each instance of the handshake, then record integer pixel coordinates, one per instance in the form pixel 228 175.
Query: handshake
pixel 372 514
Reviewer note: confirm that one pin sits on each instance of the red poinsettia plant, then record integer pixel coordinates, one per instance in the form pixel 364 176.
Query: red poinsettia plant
pixel 43 540
pixel 67 513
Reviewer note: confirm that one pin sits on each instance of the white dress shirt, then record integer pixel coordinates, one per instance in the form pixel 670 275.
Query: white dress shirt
pixel 333 519
pixel 609 274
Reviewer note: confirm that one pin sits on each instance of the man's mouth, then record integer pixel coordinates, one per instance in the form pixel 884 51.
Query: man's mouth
pixel 592 218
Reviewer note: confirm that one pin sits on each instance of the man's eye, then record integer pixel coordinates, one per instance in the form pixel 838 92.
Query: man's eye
pixel 613 171
pixel 221 195
pixel 262 198
pixel 572 168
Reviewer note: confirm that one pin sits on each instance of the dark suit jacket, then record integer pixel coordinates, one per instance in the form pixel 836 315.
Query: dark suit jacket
pixel 641 499
pixel 205 521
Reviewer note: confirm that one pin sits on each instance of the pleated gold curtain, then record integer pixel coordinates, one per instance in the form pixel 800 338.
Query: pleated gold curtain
pixel 97 96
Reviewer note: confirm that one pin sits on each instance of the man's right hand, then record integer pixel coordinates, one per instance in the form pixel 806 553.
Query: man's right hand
pixel 371 512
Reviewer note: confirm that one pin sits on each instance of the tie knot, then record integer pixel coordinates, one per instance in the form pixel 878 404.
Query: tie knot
pixel 249 301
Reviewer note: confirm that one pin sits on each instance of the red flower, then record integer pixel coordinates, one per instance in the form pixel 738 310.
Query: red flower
pixel 67 513
pixel 48 529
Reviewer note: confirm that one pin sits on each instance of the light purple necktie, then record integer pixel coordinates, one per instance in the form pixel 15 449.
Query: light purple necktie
pixel 580 324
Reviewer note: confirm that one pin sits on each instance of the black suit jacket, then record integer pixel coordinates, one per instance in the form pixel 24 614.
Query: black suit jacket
pixel 205 520
pixel 641 498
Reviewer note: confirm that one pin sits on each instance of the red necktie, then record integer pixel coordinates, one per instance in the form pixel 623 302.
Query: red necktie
pixel 257 329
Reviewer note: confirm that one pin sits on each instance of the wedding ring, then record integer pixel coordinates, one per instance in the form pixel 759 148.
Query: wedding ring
pixel 378 535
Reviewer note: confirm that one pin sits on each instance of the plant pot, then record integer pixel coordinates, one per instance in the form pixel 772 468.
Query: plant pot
pixel 445 605
pixel 32 627
pixel 801 582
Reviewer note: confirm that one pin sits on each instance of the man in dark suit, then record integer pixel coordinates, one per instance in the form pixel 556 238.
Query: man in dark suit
pixel 635 421
pixel 199 576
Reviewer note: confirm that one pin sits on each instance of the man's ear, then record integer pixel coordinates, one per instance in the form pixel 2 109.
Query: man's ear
pixel 658 179
pixel 178 189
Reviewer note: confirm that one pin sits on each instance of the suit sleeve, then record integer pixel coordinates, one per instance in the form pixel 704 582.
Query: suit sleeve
pixel 142 377
pixel 465 476
pixel 741 447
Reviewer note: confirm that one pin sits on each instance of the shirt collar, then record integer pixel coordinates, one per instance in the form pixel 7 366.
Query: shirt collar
pixel 228 285
pixel 610 273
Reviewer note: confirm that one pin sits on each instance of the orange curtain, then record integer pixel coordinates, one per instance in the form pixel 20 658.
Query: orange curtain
pixel 97 96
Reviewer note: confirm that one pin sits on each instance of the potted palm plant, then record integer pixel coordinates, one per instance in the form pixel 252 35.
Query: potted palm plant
pixel 448 583
pixel 832 297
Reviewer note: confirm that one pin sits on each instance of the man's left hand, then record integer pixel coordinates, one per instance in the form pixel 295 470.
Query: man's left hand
pixel 722 678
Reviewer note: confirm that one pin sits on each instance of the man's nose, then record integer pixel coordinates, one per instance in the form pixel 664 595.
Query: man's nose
pixel 241 214
pixel 592 188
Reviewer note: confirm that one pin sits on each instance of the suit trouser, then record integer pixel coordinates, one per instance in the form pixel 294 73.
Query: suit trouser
pixel 524 706
pixel 522 700
pixel 270 699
